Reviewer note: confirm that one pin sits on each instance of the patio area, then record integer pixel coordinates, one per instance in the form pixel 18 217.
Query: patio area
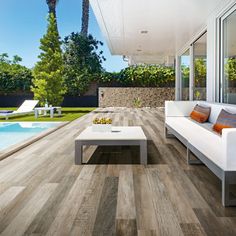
pixel 42 192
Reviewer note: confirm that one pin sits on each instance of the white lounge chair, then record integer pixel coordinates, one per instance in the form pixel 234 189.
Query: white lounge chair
pixel 27 107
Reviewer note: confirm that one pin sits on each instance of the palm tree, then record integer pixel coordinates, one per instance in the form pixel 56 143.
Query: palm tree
pixel 85 17
pixel 52 6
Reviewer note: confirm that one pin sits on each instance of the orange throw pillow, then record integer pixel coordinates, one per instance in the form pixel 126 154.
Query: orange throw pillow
pixel 200 113
pixel 224 120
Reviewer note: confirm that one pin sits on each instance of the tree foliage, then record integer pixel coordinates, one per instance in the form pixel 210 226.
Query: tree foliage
pixel 200 72
pixel 230 69
pixel 13 76
pixel 185 73
pixel 48 83
pixel 52 6
pixel 83 62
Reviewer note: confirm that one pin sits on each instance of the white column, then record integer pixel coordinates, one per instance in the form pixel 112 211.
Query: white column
pixel 191 74
pixel 177 78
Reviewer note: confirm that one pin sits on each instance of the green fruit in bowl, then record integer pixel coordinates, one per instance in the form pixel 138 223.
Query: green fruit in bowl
pixel 102 121
pixel 108 121
pixel 96 121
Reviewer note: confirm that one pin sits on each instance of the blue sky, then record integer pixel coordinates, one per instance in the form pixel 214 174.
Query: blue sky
pixel 23 23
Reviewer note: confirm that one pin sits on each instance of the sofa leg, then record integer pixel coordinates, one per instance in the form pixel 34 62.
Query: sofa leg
pixel 225 192
pixel 191 161
pixel 167 134
pixel 228 178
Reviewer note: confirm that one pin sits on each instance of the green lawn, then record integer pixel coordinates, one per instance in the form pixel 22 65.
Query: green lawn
pixel 68 114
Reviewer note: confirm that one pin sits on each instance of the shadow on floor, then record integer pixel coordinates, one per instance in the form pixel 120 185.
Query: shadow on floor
pixel 124 155
pixel 102 112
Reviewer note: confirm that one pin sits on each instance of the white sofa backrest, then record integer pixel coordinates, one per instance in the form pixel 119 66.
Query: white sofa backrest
pixel 216 109
pixel 179 108
pixel 184 108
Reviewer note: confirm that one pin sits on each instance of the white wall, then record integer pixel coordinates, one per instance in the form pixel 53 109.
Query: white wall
pixel 212 51
pixel 213 62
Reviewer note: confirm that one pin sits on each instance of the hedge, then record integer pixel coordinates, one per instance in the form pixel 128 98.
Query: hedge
pixel 14 78
pixel 142 76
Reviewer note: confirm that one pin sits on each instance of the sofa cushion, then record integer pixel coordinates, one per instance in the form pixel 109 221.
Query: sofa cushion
pixel 180 125
pixel 188 127
pixel 201 136
pixel 209 143
pixel 225 120
pixel 5 111
pixel 200 113
pixel 216 109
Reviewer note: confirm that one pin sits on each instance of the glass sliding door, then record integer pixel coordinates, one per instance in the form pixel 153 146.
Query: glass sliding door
pixel 200 68
pixel 228 58
pixel 185 75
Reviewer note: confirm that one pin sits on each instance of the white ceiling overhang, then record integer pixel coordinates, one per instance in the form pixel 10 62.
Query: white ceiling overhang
pixel 149 29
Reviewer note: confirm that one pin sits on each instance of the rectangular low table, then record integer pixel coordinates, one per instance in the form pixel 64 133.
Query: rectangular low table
pixel 119 136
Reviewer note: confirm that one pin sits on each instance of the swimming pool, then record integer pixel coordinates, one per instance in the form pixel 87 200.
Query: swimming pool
pixel 17 132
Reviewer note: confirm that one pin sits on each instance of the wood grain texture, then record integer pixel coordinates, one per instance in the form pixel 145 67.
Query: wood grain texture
pixel 8 196
pixel 27 214
pixel 126 227
pixel 106 214
pixel 71 203
pixel 43 193
pixel 126 201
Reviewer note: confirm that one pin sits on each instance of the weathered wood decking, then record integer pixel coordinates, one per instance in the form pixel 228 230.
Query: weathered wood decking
pixel 42 192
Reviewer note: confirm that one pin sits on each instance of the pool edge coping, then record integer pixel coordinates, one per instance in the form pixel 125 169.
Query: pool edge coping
pixel 17 147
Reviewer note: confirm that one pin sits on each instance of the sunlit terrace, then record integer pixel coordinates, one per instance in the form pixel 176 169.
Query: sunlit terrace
pixel 44 193
pixel 147 149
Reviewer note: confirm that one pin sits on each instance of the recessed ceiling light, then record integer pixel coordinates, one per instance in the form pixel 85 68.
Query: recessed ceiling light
pixel 144 31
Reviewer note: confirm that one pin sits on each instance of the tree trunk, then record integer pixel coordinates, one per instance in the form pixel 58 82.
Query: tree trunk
pixel 85 17
pixel 52 6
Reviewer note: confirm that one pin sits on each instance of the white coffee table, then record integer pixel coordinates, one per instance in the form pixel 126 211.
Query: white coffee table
pixel 119 136
pixel 37 110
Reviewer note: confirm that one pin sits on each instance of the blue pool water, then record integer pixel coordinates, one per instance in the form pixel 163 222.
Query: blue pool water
pixel 13 133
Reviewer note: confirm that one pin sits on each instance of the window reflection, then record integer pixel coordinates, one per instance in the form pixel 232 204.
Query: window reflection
pixel 185 69
pixel 229 59
pixel 200 68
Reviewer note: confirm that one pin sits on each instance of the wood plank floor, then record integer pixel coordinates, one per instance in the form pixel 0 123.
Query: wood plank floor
pixel 42 192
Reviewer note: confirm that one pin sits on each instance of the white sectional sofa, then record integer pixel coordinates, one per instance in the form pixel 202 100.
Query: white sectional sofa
pixel 217 152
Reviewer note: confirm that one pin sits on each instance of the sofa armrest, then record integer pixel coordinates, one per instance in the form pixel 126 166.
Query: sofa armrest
pixel 229 146
pixel 179 108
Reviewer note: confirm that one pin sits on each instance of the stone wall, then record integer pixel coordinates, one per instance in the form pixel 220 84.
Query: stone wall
pixel 126 97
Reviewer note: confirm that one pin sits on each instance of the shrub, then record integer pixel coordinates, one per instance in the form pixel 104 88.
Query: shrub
pixel 13 76
pixel 142 76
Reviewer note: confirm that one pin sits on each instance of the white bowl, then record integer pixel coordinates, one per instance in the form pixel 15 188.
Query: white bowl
pixel 101 127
